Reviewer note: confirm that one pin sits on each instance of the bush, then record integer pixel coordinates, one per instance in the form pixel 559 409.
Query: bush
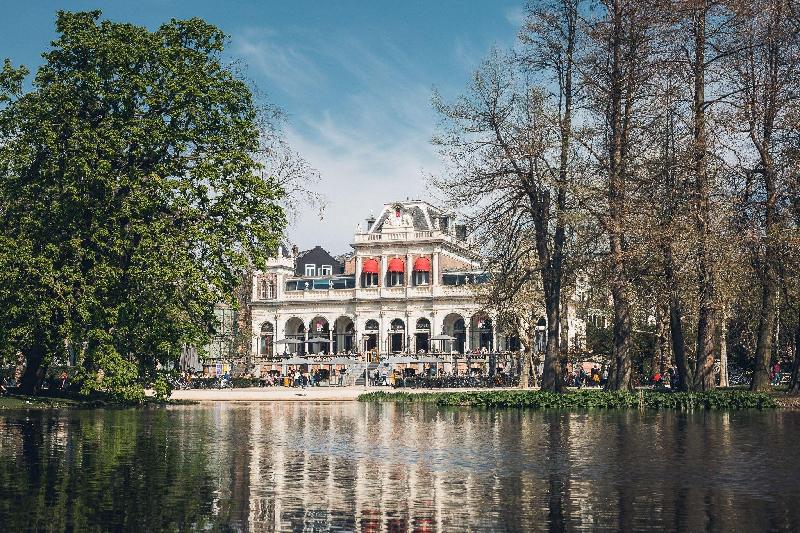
pixel 162 387
pixel 116 377
pixel 583 400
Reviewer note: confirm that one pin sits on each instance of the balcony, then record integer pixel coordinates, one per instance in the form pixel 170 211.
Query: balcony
pixel 373 293
pixel 404 236
pixel 393 292
pixel 320 294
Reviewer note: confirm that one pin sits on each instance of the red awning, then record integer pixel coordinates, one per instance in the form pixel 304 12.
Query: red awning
pixel 396 265
pixel 422 264
pixel 370 266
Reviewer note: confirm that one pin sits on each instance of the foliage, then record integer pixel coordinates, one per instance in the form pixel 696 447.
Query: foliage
pixel 162 386
pixel 728 399
pixel 132 194
pixel 118 379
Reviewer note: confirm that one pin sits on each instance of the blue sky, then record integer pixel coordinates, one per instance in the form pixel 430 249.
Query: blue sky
pixel 354 77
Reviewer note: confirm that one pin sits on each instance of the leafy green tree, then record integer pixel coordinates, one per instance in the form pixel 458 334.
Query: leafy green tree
pixel 131 196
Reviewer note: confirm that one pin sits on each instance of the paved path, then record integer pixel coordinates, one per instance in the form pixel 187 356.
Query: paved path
pixel 271 394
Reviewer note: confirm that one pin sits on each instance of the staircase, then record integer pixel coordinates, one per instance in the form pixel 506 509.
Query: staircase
pixel 355 374
pixel 360 380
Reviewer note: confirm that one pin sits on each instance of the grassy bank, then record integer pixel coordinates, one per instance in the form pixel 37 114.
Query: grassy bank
pixel 583 400
pixel 48 401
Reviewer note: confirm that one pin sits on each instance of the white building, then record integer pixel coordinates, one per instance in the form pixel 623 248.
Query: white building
pixel 410 277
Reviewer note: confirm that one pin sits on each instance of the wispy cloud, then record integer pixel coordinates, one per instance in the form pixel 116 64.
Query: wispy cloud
pixel 371 144
pixel 515 16
pixel 286 66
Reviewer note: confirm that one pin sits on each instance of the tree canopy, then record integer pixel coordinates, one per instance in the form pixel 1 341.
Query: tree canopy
pixel 132 195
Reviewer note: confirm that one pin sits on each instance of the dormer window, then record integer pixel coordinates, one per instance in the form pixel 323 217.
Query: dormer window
pixel 327 270
pixel 311 270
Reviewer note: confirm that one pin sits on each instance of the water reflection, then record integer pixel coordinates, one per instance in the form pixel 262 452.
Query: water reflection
pixel 348 466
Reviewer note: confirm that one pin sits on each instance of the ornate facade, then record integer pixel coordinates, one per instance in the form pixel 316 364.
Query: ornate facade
pixel 409 278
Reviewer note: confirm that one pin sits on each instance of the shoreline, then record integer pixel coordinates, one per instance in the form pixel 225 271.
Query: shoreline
pixel 343 394
pixel 291 394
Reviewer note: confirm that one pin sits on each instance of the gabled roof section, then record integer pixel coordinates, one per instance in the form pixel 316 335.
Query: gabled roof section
pixel 421 214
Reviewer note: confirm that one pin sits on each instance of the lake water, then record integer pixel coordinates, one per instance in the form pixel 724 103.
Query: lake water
pixel 390 467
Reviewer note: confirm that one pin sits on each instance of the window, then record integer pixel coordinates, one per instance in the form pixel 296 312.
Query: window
pixel 369 279
pixel 327 270
pixel 311 270
pixel 266 290
pixel 421 278
pixel 395 279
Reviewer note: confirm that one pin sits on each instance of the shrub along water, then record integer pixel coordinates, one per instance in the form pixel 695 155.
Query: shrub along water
pixel 729 399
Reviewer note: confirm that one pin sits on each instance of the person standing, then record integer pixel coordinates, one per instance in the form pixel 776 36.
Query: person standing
pixel 775 373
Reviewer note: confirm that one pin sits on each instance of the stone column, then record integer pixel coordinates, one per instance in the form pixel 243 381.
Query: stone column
pixel 468 332
pixel 409 270
pixel 280 286
pixel 382 338
pixel 254 280
pixel 382 273
pixel 330 337
pixel 435 268
pixel 359 263
pixel 408 335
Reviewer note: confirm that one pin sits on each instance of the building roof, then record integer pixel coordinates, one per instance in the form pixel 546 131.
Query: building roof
pixel 423 215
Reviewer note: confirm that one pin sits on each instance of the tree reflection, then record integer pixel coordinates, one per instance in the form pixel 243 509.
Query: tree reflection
pixel 384 467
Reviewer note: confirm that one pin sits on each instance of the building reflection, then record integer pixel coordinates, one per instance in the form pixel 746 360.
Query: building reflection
pixel 298 466
pixel 387 467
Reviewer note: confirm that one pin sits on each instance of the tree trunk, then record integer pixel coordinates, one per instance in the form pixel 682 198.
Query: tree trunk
pixel 722 329
pixel 35 369
pixel 676 321
pixel 526 364
pixel 656 360
pixel 766 84
pixel 664 342
pixel 622 335
pixel 552 372
pixel 766 327
pixel 617 151
pixel 794 383
pixel 704 371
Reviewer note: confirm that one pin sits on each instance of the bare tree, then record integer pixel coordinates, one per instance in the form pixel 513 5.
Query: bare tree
pixel 618 71
pixel 509 144
pixel 764 74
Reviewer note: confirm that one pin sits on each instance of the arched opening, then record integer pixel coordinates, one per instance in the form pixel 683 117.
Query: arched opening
pixel 482 332
pixel 266 340
pixel 320 332
pixel 422 335
pixel 344 332
pixel 453 325
pixel 397 336
pixel 295 331
pixel 371 335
